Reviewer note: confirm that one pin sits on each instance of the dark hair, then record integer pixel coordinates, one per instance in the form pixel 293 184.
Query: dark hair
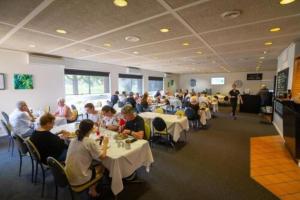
pixel 46 118
pixel 108 109
pixel 89 105
pixel 85 127
pixel 116 92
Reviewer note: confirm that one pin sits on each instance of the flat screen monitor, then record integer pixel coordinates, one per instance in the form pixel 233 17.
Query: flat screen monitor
pixel 218 81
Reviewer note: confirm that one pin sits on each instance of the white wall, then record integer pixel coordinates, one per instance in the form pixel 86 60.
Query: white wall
pixel 48 78
pixel 203 81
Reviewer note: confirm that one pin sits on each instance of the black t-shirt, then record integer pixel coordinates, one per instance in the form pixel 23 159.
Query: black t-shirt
pixel 48 144
pixel 234 95
pixel 131 101
pixel 136 125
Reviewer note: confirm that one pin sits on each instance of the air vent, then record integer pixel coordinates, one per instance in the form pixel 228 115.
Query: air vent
pixel 231 14
pixel 133 70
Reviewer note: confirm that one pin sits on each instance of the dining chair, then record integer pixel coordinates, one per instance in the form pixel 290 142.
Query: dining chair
pixel 74 114
pixel 192 117
pixel 11 143
pixel 5 116
pixel 38 162
pixel 61 179
pixel 23 152
pixel 160 130
pixel 148 133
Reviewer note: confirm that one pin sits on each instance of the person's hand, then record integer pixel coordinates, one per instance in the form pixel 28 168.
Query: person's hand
pixel 126 132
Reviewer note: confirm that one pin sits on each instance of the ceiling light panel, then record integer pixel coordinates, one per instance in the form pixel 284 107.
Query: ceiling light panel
pixel 148 32
pixel 82 19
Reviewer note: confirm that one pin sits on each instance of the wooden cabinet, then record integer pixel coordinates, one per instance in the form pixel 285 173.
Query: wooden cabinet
pixel 296 78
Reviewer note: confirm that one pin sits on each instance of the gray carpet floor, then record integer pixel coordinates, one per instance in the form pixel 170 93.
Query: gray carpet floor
pixel 212 165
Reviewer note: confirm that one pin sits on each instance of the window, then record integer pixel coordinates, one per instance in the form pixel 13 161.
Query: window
pixel 155 83
pixel 83 87
pixel 218 81
pixel 130 83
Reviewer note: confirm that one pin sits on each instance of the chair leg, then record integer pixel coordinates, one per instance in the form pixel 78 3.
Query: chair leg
pixel 9 144
pixel 36 171
pixel 32 169
pixel 56 192
pixel 43 184
pixel 20 167
pixel 71 192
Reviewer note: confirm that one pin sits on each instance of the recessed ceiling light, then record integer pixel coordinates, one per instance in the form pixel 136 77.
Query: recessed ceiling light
pixel 61 31
pixel 276 29
pixel 268 43
pixel 231 14
pixel 135 52
pixel 199 52
pixel 284 2
pixel 107 45
pixel 261 57
pixel 265 52
pixel 185 44
pixel 164 30
pixel 260 61
pixel 132 38
pixel 31 45
pixel 120 3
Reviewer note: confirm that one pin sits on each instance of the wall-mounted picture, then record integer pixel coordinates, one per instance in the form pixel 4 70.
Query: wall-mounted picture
pixel 23 81
pixel 2 81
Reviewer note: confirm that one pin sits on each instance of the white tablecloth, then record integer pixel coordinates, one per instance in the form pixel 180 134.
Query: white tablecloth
pixel 120 162
pixel 175 125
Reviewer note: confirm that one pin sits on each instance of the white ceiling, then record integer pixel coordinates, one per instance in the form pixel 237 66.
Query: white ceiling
pixel 226 44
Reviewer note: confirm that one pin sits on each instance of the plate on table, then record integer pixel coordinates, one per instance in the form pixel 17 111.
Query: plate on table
pixel 69 135
pixel 120 137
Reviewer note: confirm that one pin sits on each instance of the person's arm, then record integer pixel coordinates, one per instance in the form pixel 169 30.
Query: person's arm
pixel 95 149
pixel 66 111
pixel 135 134
pixel 241 99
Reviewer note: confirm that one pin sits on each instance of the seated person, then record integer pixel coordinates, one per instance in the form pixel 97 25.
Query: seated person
pixel 21 120
pixel 82 151
pixel 194 104
pixel 114 98
pixel 145 101
pixel 109 121
pixel 157 94
pixel 91 113
pixel 122 97
pixel 130 100
pixel 135 125
pixel 47 143
pixel 63 110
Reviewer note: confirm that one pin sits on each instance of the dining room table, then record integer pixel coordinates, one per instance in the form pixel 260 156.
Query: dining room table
pixel 122 160
pixel 175 124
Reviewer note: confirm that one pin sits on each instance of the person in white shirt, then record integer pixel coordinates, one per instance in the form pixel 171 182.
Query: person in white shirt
pixel 63 110
pixel 109 120
pixel 91 113
pixel 21 120
pixel 81 152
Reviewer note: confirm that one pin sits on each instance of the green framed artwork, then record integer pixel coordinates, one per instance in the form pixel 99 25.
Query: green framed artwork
pixel 23 81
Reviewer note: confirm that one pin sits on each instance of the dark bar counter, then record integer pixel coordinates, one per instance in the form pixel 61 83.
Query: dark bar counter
pixel 291 126
pixel 251 103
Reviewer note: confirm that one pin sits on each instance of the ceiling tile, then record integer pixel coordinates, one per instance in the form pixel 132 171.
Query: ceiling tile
pixel 43 43
pixel 109 57
pixel 167 46
pixel 147 32
pixel 250 32
pixel 179 3
pixel 13 11
pixel 82 19
pixel 4 29
pixel 279 43
pixel 207 16
pixel 79 50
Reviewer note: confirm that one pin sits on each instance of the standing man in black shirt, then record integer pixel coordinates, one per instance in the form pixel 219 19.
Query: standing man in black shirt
pixel 234 96
pixel 135 125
